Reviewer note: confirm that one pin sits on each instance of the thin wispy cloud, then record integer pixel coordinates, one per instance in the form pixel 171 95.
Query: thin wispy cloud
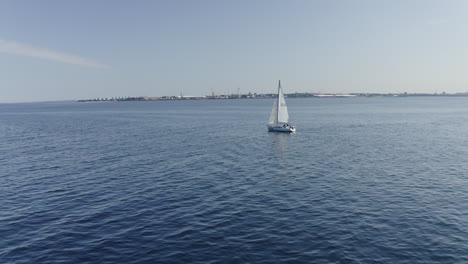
pixel 12 47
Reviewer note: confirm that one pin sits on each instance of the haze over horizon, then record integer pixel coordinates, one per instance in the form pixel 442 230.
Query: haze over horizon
pixel 68 50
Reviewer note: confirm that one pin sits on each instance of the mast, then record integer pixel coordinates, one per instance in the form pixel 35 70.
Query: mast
pixel 278 105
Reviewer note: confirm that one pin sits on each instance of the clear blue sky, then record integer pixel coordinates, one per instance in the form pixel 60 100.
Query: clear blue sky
pixel 61 50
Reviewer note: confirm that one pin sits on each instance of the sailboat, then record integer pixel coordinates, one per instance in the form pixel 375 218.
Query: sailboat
pixel 279 118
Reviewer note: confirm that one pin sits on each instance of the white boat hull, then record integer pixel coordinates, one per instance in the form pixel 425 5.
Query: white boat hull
pixel 288 129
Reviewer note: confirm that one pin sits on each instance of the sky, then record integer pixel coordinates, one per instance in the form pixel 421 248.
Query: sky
pixel 70 50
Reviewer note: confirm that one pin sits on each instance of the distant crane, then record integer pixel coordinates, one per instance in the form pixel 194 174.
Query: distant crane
pixel 238 93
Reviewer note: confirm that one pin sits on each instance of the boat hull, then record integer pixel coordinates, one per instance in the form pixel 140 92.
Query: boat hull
pixel 281 129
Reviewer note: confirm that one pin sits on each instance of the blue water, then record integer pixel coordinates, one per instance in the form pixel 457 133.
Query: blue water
pixel 364 180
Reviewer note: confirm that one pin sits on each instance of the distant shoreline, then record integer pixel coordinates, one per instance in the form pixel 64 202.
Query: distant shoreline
pixel 266 96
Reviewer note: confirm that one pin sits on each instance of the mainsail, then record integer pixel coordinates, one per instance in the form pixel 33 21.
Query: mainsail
pixel 283 116
pixel 279 112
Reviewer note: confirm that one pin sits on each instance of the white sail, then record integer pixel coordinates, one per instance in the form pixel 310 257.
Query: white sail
pixel 274 113
pixel 283 116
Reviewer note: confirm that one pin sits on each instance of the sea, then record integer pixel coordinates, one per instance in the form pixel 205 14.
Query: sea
pixel 363 180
